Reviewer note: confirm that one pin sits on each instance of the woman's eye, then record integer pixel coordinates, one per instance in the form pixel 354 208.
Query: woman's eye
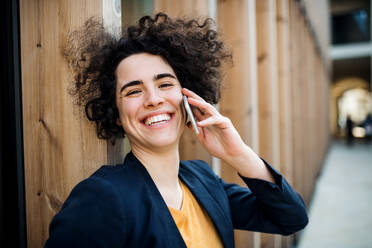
pixel 165 85
pixel 132 92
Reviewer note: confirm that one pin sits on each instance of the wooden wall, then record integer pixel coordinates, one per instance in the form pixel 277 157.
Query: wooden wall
pixel 60 146
pixel 276 94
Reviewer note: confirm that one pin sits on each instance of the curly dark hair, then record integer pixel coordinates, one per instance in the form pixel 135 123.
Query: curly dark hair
pixel 194 51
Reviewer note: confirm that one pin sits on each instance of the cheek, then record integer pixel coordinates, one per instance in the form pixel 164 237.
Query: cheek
pixel 178 100
pixel 126 110
pixel 177 97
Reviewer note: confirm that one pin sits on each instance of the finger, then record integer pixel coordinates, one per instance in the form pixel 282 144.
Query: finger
pixel 203 106
pixel 190 93
pixel 220 122
pixel 198 114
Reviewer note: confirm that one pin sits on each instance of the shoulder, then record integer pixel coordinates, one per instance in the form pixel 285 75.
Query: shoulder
pixel 91 214
pixel 97 185
pixel 97 197
pixel 94 188
pixel 92 194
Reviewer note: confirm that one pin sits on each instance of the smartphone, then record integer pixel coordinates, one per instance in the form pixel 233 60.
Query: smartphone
pixel 190 114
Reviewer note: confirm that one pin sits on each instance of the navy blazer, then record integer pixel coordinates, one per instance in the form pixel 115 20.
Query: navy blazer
pixel 120 206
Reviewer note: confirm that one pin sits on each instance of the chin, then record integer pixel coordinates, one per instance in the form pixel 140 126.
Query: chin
pixel 164 142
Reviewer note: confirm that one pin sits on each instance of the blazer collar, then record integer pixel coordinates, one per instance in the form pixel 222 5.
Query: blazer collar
pixel 209 203
pixel 159 207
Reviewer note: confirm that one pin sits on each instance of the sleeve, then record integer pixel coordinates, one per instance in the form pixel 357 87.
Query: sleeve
pixel 90 217
pixel 265 206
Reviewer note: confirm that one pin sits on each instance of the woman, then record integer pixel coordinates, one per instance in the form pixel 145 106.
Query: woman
pixel 134 86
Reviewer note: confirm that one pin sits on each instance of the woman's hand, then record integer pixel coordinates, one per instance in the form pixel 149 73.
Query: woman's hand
pixel 219 136
pixel 216 132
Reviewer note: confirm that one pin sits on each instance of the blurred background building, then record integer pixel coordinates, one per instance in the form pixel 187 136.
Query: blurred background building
pixel 301 70
pixel 351 59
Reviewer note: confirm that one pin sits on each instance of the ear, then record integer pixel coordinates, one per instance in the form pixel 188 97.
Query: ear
pixel 118 122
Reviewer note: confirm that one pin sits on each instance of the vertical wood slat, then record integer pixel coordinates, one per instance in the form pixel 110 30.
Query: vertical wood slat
pixel 267 80
pixel 268 93
pixel 308 110
pixel 284 80
pixel 295 99
pixel 284 87
pixel 294 16
pixel 240 83
pixel 303 110
pixel 190 148
pixel 60 149
pixel 311 120
pixel 183 8
pixel 300 107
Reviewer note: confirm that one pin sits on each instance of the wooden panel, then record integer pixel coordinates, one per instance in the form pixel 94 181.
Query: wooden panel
pixel 268 93
pixel 60 147
pixel 239 95
pixel 190 147
pixel 308 111
pixel 284 80
pixel 294 15
pixel 302 84
pixel 318 16
pixel 297 161
pixel 267 81
pixel 183 8
pixel 311 118
pixel 284 87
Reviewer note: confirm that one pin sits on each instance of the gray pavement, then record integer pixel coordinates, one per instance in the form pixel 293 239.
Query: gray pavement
pixel 340 214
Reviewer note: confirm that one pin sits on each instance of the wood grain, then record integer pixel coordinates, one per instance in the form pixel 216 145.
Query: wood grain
pixel 284 87
pixel 268 93
pixel 60 147
pixel 183 8
pixel 240 84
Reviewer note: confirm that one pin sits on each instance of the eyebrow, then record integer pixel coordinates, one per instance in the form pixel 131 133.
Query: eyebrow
pixel 139 82
pixel 132 83
pixel 163 75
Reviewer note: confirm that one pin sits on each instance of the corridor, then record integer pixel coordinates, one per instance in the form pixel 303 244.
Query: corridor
pixel 341 210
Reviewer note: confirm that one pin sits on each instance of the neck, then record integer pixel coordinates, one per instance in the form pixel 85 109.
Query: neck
pixel 162 165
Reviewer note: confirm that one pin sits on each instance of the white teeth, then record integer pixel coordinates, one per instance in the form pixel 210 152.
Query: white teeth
pixel 157 119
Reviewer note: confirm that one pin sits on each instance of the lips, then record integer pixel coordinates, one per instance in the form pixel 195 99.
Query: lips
pixel 157 119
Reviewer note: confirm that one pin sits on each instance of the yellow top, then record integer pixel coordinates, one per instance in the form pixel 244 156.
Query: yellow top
pixel 194 223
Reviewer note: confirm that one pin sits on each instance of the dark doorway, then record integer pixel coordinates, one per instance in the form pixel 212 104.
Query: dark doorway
pixel 12 197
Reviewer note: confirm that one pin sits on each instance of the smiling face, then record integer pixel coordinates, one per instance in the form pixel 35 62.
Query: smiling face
pixel 148 97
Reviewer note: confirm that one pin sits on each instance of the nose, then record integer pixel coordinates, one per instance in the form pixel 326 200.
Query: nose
pixel 153 98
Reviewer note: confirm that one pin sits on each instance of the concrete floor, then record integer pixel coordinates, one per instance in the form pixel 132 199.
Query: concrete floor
pixel 340 214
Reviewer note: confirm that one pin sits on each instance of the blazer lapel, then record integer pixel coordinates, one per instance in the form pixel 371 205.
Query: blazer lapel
pixel 210 204
pixel 160 209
